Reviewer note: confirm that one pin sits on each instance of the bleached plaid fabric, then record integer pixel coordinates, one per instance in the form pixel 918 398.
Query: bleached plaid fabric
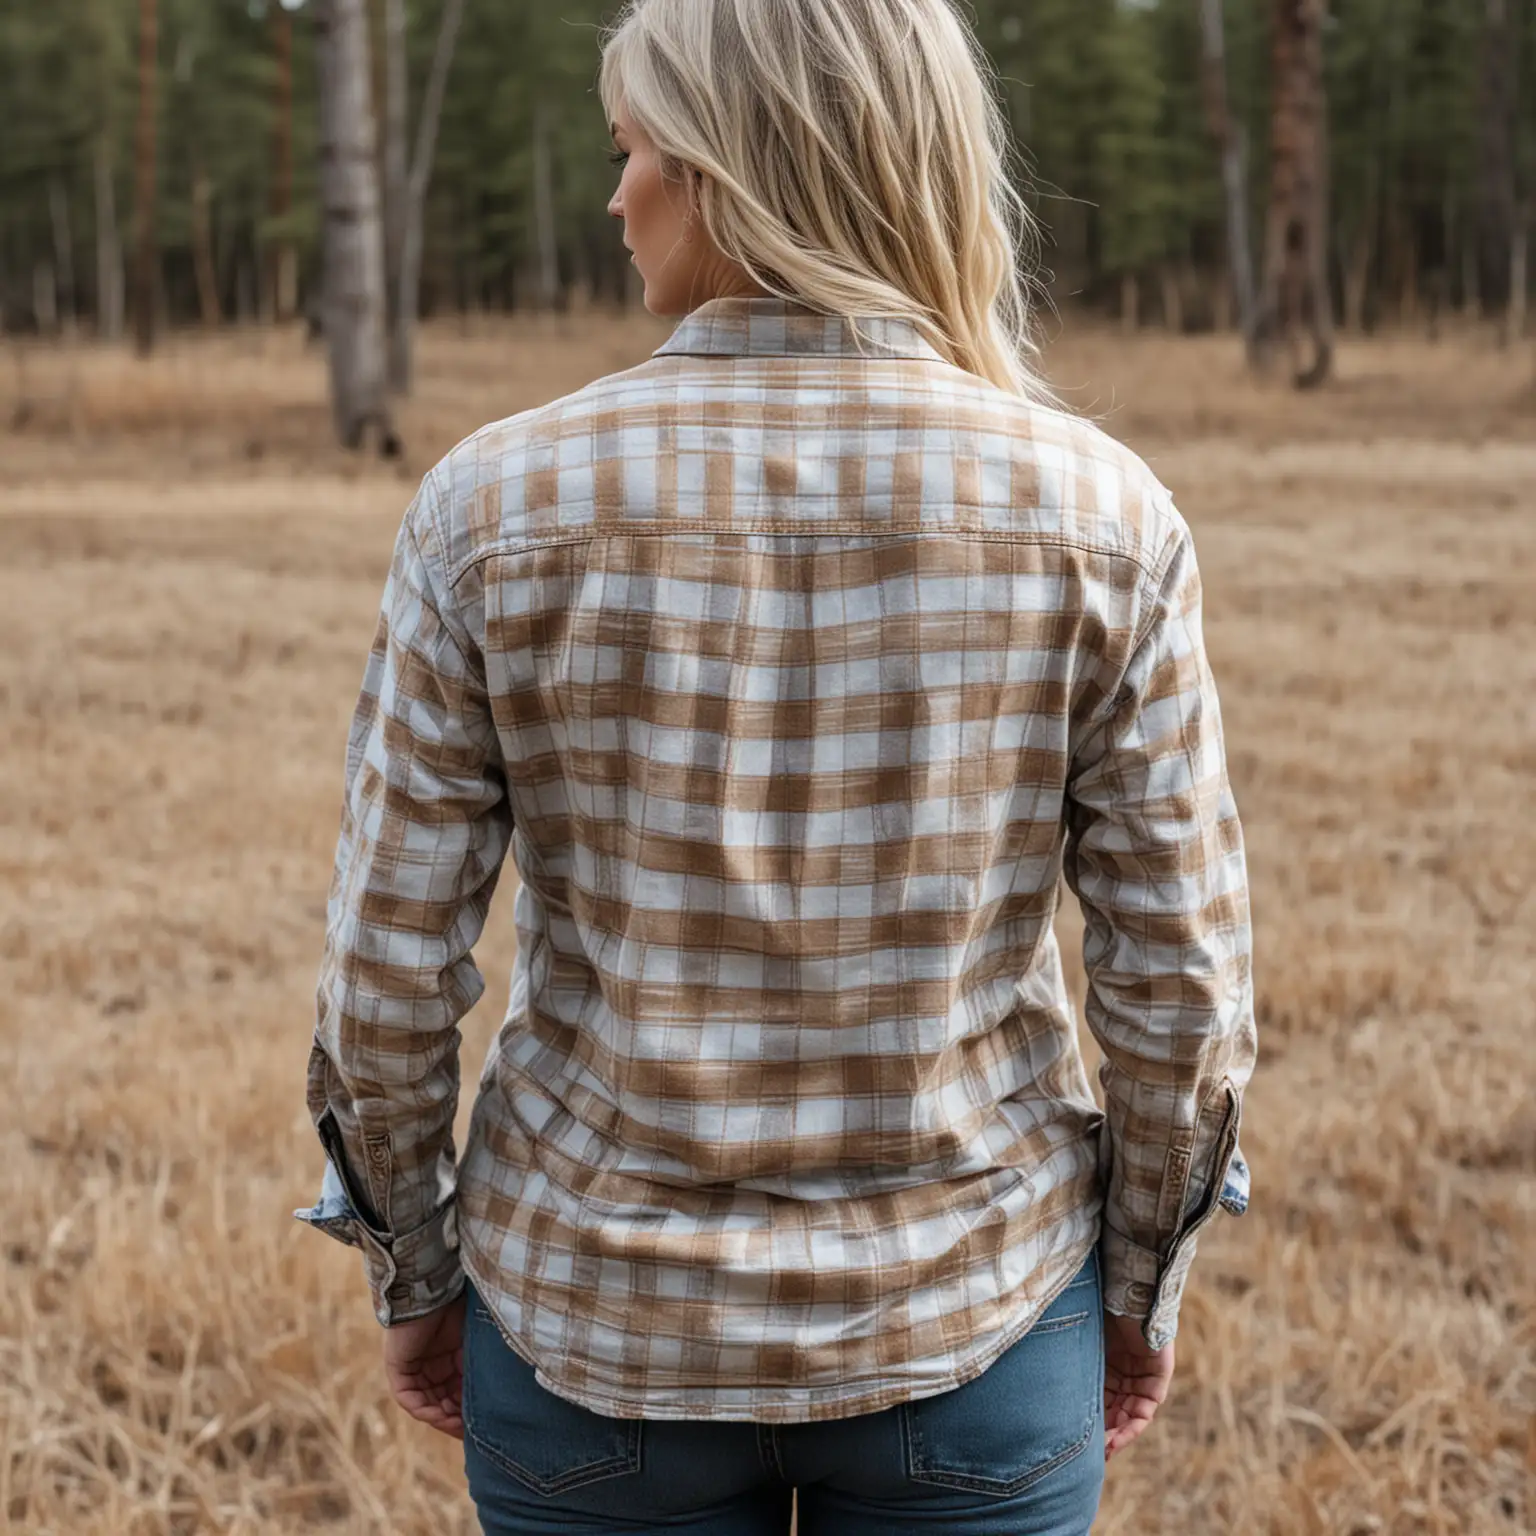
pixel 794 671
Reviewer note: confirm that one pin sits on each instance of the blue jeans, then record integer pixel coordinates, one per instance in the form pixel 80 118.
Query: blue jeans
pixel 1016 1451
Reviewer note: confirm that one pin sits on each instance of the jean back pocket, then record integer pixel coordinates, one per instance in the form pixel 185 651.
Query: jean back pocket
pixel 1033 1410
pixel 549 1444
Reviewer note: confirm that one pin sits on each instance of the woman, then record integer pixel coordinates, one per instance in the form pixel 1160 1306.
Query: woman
pixel 795 667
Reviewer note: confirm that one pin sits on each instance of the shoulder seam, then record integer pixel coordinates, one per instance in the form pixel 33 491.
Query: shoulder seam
pixel 428 500
pixel 1155 576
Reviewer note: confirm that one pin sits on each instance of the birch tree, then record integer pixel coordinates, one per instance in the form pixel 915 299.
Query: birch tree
pixel 352 231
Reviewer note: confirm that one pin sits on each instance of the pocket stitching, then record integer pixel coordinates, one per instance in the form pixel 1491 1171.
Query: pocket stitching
pixel 1055 1324
pixel 577 1477
pixel 994 1485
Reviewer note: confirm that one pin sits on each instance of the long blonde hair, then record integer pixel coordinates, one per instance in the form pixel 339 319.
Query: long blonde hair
pixel 852 157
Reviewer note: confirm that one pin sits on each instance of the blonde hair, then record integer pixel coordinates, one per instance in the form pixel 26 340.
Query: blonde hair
pixel 852 157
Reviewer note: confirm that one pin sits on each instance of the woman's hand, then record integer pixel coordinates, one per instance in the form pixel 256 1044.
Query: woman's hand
pixel 1136 1381
pixel 424 1365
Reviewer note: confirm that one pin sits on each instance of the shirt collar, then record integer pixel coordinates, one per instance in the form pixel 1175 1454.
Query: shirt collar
pixel 779 328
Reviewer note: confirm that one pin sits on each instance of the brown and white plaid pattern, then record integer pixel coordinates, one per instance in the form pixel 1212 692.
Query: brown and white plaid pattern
pixel 795 667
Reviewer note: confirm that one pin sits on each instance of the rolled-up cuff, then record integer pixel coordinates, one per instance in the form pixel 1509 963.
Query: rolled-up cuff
pixel 1140 1284
pixel 1130 1275
pixel 409 1274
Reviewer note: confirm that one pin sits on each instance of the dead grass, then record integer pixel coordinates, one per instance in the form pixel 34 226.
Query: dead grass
pixel 188 579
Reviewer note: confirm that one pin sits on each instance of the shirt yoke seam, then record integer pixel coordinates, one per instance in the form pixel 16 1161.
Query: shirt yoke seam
pixel 515 546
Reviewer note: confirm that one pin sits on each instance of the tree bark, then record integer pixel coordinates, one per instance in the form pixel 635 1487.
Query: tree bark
pixel 397 171
pixel 408 297
pixel 1234 171
pixel 144 231
pixel 109 248
pixel 353 234
pixel 1297 300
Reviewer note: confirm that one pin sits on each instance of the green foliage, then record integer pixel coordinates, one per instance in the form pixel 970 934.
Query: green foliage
pixel 1104 97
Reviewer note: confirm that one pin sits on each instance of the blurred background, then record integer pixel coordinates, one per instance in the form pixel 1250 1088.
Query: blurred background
pixel 160 161
pixel 1285 255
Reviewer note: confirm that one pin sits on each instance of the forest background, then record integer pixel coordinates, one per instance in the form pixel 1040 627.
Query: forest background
pixel 200 150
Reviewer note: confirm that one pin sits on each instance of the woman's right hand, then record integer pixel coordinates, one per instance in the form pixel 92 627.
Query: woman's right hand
pixel 1136 1381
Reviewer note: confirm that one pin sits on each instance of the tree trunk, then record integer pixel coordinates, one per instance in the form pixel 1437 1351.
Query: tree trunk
pixel 109 248
pixel 544 207
pixel 1173 299
pixel 1221 301
pixel 1130 302
pixel 263 291
pixel 63 254
pixel 1496 161
pixel 353 235
pixel 245 291
pixel 144 233
pixel 397 171
pixel 1234 171
pixel 408 298
pixel 1408 302
pixel 45 298
pixel 284 277
pixel 205 270
pixel 1296 290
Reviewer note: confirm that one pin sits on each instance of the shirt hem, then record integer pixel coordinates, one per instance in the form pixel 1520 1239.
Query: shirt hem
pixel 795 1405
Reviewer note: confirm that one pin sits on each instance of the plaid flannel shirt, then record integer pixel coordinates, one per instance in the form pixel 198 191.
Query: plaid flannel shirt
pixel 795 668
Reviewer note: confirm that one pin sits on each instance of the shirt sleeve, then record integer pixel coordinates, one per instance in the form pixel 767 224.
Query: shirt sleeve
pixel 425 828
pixel 1155 857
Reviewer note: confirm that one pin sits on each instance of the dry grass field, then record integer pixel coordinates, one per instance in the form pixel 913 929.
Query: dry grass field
pixel 189 575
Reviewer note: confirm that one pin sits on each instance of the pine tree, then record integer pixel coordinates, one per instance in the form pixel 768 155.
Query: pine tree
pixel 1296 287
